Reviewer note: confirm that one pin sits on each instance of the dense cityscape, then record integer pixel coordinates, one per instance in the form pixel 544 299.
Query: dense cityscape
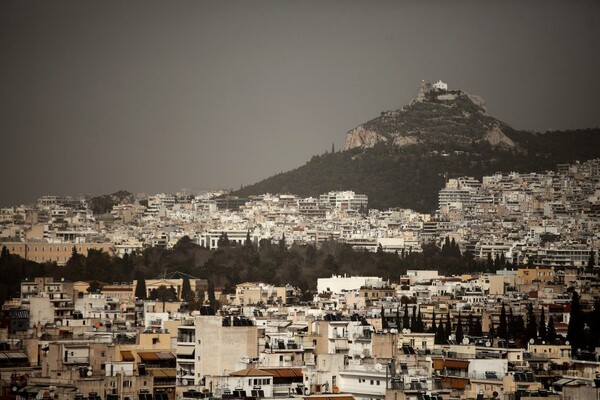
pixel 523 324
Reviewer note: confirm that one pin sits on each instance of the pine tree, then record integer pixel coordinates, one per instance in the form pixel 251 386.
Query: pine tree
pixel 398 319
pixel 594 323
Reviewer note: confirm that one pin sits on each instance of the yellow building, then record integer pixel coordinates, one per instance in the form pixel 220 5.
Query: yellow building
pixel 527 276
pixel 53 252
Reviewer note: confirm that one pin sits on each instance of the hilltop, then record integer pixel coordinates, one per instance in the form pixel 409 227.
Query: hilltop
pixel 435 117
pixel 401 158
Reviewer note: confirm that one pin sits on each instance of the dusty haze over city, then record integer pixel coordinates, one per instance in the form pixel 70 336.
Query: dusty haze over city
pixel 159 96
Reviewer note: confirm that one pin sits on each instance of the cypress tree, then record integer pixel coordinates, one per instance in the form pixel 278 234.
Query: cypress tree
pixel 448 330
pixel 140 288
pixel 405 318
pixel 502 327
pixel 551 333
pixel 186 289
pixel 433 327
pixel 543 332
pixel 531 331
pixel 212 300
pixel 575 333
pixel 459 330
pixel 384 324
pixel 440 334
pixel 420 323
pixel 470 326
pixel 413 319
pixel 398 319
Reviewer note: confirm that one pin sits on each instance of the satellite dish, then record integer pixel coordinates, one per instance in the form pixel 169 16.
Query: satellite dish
pixel 378 366
pixel 39 334
pixel 407 330
pixel 184 382
pixel 362 356
pixel 567 343
pixel 531 341
pixel 58 323
pixel 89 373
pixel 465 341
pixel 488 343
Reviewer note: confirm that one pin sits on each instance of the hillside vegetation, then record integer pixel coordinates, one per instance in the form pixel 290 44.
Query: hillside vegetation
pixel 402 157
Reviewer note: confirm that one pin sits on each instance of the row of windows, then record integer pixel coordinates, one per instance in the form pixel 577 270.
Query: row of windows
pixel 35 258
pixel 372 381
pixel 259 382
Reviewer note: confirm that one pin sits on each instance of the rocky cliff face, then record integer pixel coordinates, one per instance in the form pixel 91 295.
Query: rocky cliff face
pixel 434 117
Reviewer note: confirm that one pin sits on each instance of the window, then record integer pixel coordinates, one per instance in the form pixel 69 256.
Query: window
pixel 372 381
pixel 127 384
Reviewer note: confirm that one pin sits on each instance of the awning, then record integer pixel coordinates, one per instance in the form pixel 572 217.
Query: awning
pixel 456 364
pixel 186 350
pixel 284 372
pixel 17 355
pixel 251 372
pixel 164 373
pixel 165 355
pixel 127 355
pixel 148 356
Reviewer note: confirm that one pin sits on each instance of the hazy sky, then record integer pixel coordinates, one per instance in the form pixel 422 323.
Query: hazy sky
pixel 97 96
